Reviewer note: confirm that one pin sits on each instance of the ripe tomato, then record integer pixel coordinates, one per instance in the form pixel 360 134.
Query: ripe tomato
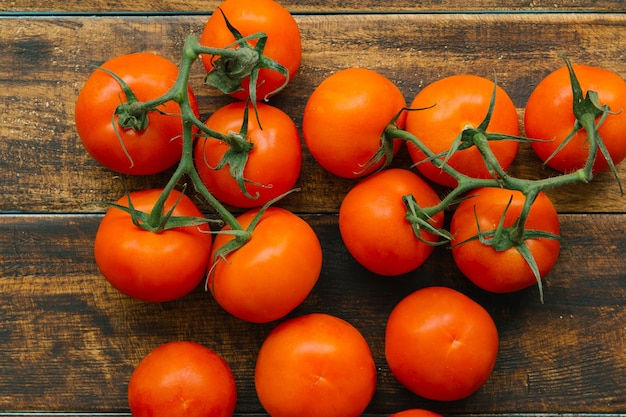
pixel 373 224
pixel 152 266
pixel 144 152
pixel 182 379
pixel 549 116
pixel 440 344
pixel 315 365
pixel 345 117
pixel 273 165
pixel 460 102
pixel 416 413
pixel 250 17
pixel 272 273
pixel 502 271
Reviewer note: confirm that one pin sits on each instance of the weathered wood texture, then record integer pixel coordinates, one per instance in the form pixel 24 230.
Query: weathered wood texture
pixel 69 341
pixel 316 6
pixel 45 167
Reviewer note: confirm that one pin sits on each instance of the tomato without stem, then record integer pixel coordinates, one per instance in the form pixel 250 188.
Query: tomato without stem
pixel 502 271
pixel 250 17
pixel 272 167
pixel 152 266
pixel 549 117
pixel 141 152
pixel 440 344
pixel 373 224
pixel 272 273
pixel 182 379
pixel 416 413
pixel 345 117
pixel 315 365
pixel 451 105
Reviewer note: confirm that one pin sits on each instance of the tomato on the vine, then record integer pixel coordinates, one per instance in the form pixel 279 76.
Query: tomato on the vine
pixel 272 167
pixel 182 379
pixel 451 105
pixel 136 152
pixel 316 365
pixel 415 412
pixel 147 265
pixel 549 117
pixel 249 17
pixel 345 118
pixel 374 227
pixel 272 273
pixel 441 344
pixel 503 270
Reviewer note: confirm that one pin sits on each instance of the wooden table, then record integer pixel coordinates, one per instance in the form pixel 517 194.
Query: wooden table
pixel 69 341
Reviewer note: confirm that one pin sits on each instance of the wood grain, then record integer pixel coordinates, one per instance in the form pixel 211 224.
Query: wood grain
pixel 76 340
pixel 45 167
pixel 317 6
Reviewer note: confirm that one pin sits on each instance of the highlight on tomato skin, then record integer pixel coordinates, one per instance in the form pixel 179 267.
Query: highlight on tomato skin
pixel 315 365
pixel 440 344
pixel 182 378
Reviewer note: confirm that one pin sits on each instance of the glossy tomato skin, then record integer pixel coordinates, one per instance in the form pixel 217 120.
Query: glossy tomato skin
pixel 150 266
pixel 250 17
pixel 458 102
pixel 273 272
pixel 373 226
pixel 502 271
pixel 316 365
pixel 345 117
pixel 415 412
pixel 182 378
pixel 440 344
pixel 152 150
pixel 549 116
pixel 273 165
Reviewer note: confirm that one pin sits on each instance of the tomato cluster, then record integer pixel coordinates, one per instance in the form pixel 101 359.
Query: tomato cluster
pixel 462 134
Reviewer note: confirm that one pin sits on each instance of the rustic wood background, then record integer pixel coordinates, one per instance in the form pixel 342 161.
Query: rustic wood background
pixel 68 341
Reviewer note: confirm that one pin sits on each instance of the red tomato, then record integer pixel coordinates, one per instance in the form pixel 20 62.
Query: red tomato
pixel 250 17
pixel 143 152
pixel 416 413
pixel 315 365
pixel 345 117
pixel 152 266
pixel 502 271
pixel 549 116
pixel 182 379
pixel 460 102
pixel 273 165
pixel 273 272
pixel 373 224
pixel 440 344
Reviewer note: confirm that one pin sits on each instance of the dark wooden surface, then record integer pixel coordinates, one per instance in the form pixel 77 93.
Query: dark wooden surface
pixel 68 341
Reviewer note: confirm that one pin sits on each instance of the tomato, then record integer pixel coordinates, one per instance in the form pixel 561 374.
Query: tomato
pixel 315 365
pixel 272 167
pixel 440 344
pixel 250 17
pixel 182 379
pixel 549 116
pixel 416 413
pixel 451 105
pixel 344 119
pixel 373 224
pixel 147 265
pixel 144 152
pixel 272 273
pixel 502 271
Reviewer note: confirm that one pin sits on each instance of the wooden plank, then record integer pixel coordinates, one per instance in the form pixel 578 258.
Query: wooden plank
pixel 315 6
pixel 69 341
pixel 45 167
